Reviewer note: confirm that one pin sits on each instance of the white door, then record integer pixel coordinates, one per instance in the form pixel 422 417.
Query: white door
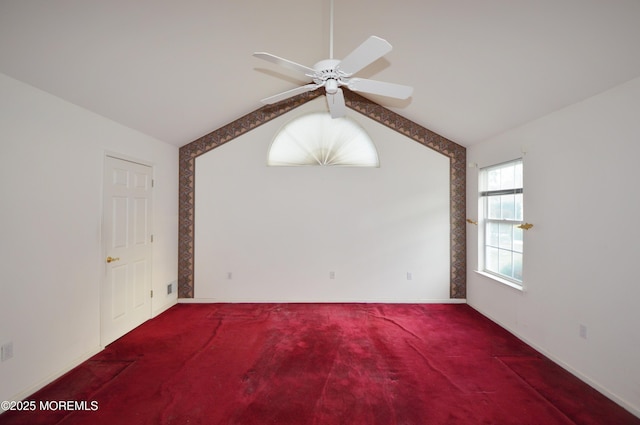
pixel 126 290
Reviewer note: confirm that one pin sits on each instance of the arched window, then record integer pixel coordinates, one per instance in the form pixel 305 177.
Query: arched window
pixel 318 139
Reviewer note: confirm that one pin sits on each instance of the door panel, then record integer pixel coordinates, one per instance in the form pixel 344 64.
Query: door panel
pixel 119 222
pixel 140 221
pixel 118 289
pixel 140 296
pixel 126 292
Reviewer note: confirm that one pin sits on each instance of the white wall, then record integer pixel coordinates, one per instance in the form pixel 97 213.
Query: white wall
pixel 51 254
pixel 581 193
pixel 280 231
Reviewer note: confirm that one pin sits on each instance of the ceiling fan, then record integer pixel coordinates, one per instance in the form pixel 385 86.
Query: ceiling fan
pixel 332 74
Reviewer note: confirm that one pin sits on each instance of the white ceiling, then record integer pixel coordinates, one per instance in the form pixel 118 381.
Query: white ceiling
pixel 177 70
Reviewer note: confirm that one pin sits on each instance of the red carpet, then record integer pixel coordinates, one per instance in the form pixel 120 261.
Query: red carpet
pixel 322 364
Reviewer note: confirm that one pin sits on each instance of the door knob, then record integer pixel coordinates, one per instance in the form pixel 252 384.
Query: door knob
pixel 112 259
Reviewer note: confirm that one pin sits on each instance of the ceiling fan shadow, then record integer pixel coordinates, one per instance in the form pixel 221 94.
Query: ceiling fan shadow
pixel 388 102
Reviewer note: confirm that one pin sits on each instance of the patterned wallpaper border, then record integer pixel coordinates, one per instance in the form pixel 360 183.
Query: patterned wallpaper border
pixel 187 182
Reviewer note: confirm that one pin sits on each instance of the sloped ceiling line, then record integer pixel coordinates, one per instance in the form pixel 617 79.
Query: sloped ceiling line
pixel 189 153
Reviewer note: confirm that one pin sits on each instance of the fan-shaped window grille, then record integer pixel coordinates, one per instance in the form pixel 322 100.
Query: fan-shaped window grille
pixel 318 139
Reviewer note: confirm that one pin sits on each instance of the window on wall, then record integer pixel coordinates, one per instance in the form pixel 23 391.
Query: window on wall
pixel 501 194
pixel 318 139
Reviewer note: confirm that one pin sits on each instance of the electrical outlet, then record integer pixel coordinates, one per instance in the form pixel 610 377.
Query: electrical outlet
pixel 583 332
pixel 229 275
pixel 169 288
pixel 6 351
pixel 409 276
pixel 332 275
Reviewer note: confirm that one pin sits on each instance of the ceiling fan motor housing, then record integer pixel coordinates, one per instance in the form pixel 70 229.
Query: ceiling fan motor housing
pixel 328 75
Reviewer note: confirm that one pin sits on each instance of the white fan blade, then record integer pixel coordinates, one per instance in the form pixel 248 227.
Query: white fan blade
pixel 285 63
pixel 379 87
pixel 368 52
pixel 289 93
pixel 336 104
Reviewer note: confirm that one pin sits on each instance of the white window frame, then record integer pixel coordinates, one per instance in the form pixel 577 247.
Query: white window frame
pixel 513 246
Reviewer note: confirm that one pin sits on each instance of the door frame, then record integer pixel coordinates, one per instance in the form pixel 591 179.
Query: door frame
pixel 103 240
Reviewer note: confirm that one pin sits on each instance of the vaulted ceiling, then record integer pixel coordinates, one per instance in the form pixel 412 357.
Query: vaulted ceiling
pixel 176 70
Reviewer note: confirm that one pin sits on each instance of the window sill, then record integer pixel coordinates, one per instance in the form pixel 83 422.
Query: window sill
pixel 502 281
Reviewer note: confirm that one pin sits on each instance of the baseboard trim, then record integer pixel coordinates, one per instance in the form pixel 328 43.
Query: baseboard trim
pixel 49 379
pixel 635 410
pixel 373 301
pixel 164 308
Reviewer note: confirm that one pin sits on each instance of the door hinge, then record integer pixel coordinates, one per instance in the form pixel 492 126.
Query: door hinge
pixel 152 238
pixel 153 183
pixel 152 293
